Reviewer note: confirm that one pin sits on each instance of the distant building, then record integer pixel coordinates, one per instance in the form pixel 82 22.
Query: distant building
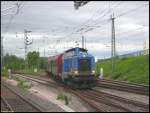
pixel 146 46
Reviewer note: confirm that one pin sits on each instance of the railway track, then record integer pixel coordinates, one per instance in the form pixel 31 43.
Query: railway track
pixel 116 102
pixel 100 101
pixel 11 101
pixel 5 106
pixel 124 82
pixel 124 86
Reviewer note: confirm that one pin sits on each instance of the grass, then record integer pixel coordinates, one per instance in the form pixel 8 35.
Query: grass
pixel 23 84
pixel 20 83
pixel 132 69
pixel 63 97
pixel 4 73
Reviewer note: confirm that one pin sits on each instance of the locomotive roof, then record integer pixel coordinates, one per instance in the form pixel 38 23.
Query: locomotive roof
pixel 72 49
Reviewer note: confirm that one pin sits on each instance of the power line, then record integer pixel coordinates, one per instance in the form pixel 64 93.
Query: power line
pixel 8 8
pixel 132 10
pixel 81 25
pixel 106 12
pixel 89 28
pixel 12 16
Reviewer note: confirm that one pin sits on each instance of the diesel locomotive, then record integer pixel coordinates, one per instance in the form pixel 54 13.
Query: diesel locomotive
pixel 75 67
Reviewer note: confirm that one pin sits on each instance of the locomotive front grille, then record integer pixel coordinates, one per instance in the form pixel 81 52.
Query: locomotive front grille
pixel 84 66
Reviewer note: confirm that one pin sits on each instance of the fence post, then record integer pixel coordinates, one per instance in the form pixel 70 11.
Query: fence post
pixel 101 73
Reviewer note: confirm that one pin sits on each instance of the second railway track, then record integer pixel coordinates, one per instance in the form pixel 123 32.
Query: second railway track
pixel 100 101
pixel 123 86
pixel 14 102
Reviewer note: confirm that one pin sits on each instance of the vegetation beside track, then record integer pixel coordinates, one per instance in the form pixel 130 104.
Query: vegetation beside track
pixel 34 64
pixel 132 69
pixel 31 72
pixel 4 73
pixel 64 97
pixel 23 84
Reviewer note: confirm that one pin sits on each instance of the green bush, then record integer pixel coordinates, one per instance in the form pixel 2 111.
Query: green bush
pixel 63 97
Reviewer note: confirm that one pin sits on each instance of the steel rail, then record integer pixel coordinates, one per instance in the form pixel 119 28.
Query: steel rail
pixel 45 82
pixel 7 104
pixel 124 83
pixel 89 99
pixel 105 101
pixel 124 87
pixel 134 102
pixel 27 101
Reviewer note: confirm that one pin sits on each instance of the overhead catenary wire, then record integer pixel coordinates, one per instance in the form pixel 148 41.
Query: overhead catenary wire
pixel 105 12
pixel 57 42
pixel 12 17
pixel 80 28
pixel 15 6
pixel 132 10
pixel 74 33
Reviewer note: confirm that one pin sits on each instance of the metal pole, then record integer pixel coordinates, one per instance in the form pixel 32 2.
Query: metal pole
pixel 44 45
pixel 2 53
pixel 85 42
pixel 113 48
pixel 24 50
pixel 82 41
pixel 38 60
pixel 44 52
pixel 25 46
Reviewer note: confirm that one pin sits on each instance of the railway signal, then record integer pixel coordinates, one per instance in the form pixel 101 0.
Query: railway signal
pixel 26 42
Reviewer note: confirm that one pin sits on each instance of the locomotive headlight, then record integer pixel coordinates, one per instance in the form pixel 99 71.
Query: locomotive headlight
pixel 76 72
pixel 93 71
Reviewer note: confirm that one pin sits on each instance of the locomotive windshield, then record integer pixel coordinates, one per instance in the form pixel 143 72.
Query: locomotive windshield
pixel 83 52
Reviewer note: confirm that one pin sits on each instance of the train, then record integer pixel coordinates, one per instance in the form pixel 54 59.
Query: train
pixel 74 67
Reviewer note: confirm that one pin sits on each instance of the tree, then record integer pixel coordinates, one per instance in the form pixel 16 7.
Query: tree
pixel 33 59
pixel 13 62
pixel 43 62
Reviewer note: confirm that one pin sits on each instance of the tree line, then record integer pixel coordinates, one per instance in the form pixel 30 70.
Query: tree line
pixel 32 61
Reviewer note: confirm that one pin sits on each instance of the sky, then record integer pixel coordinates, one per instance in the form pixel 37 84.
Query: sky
pixel 57 26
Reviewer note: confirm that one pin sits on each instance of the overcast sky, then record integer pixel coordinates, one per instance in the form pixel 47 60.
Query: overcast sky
pixel 56 26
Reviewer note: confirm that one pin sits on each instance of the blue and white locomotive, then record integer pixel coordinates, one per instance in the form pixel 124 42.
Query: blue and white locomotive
pixel 75 67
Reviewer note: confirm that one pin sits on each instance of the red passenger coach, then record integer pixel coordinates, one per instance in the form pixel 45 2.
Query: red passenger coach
pixel 59 64
pixel 55 65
